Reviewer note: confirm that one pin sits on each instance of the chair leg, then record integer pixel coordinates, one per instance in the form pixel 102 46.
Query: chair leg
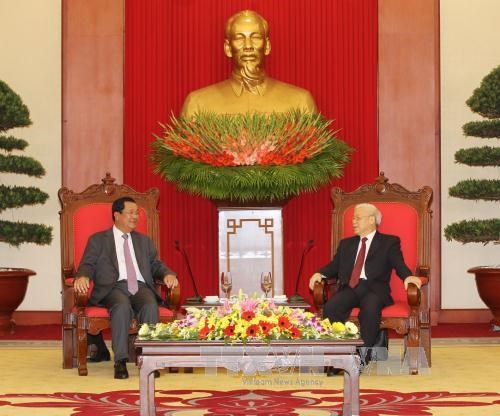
pixel 68 351
pixel 412 349
pixel 82 346
pixel 132 353
pixel 425 343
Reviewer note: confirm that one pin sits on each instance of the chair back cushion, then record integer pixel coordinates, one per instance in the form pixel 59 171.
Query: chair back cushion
pixel 398 219
pixel 92 218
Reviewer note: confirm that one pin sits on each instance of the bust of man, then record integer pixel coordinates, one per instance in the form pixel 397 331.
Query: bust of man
pixel 248 89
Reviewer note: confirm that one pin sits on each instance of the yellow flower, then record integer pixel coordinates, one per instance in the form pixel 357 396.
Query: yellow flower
pixel 241 328
pixel 325 324
pixel 201 323
pixel 211 320
pixel 338 327
pixel 224 322
pixel 273 319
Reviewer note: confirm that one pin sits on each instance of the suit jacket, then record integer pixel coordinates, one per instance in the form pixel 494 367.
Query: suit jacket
pixel 383 256
pixel 100 263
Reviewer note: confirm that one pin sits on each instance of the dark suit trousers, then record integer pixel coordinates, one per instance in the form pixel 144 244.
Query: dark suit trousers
pixel 340 305
pixel 123 307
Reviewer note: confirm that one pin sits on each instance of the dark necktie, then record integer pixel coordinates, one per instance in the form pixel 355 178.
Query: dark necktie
pixel 358 266
pixel 129 264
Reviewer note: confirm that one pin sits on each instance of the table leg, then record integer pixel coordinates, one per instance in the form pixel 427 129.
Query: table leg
pixel 146 387
pixel 347 406
pixel 352 380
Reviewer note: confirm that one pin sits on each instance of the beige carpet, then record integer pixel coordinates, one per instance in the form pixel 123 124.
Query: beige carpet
pixel 460 373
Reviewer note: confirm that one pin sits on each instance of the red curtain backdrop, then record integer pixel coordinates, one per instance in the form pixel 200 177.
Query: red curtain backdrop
pixel 173 47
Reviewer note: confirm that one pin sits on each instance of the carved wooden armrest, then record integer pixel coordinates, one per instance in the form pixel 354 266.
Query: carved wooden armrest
pixel 414 294
pixel 423 272
pixel 173 295
pixel 320 291
pixel 81 299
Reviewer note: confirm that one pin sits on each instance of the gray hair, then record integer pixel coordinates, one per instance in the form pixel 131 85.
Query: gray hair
pixel 372 210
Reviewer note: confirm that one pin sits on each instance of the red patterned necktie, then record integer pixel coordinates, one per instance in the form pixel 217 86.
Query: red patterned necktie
pixel 358 266
pixel 129 264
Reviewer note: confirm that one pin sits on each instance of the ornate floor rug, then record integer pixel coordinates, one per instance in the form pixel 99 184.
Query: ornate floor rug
pixel 256 402
pixel 464 380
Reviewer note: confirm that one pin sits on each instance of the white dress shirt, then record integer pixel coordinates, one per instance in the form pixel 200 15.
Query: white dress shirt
pixel 368 243
pixel 120 255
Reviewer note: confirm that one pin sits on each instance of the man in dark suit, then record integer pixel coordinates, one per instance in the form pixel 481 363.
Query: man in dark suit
pixel 363 265
pixel 123 265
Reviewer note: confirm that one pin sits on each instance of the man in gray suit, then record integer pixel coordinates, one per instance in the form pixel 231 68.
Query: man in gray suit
pixel 123 265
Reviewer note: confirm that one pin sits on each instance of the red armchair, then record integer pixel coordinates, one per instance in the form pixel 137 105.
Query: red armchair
pixel 82 215
pixel 405 214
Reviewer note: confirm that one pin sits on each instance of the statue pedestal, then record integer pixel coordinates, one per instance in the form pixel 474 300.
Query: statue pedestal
pixel 250 243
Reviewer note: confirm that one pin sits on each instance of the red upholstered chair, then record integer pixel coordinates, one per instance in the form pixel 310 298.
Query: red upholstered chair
pixel 82 215
pixel 405 214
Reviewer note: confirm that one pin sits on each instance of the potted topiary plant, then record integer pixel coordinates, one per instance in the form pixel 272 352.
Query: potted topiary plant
pixel 14 281
pixel 485 101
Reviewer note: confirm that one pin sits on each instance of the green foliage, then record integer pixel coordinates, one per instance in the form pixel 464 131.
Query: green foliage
pixel 479 156
pixel 486 189
pixel 21 164
pixel 474 231
pixel 486 128
pixel 485 100
pixel 13 112
pixel 252 182
pixel 15 233
pixel 18 196
pixel 9 143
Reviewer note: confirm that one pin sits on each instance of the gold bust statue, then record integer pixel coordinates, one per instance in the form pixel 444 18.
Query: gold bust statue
pixel 248 89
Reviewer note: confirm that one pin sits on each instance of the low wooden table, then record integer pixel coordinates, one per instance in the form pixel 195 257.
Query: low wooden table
pixel 216 354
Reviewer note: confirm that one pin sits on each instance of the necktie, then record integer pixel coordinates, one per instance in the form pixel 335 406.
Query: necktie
pixel 131 275
pixel 358 266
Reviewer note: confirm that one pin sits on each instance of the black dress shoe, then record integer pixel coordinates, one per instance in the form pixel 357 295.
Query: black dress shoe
pixel 101 354
pixel 98 349
pixel 332 371
pixel 121 369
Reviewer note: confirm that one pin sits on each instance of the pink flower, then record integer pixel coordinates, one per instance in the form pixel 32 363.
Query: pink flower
pixel 249 304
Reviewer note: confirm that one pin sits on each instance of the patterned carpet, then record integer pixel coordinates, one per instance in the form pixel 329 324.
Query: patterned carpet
pixel 462 381
pixel 254 402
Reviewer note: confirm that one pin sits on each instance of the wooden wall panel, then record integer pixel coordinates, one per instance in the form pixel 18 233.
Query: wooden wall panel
pixel 408 111
pixel 92 102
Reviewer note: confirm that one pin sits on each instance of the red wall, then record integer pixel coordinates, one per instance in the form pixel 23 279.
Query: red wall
pixel 172 47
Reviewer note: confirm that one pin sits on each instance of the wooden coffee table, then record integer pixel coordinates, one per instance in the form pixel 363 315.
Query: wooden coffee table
pixel 216 354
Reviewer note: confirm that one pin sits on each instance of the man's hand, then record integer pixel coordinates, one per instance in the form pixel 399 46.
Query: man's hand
pixel 316 277
pixel 170 281
pixel 413 279
pixel 81 284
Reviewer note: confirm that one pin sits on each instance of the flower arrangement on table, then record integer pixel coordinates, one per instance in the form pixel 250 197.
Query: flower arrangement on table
pixel 246 320
pixel 251 156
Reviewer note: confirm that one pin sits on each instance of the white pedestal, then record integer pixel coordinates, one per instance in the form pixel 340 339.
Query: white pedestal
pixel 251 242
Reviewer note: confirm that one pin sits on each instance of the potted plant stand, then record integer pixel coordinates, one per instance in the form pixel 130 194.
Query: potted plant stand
pixel 488 286
pixel 13 285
